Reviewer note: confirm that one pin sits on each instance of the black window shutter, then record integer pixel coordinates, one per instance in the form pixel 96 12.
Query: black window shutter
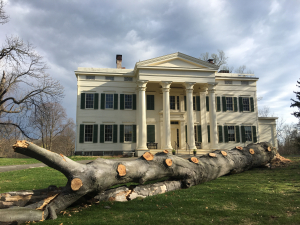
pixel 96 101
pixel 208 133
pixel 121 101
pixel 252 104
pixel 95 133
pixel 81 133
pixel 243 134
pixel 224 103
pixel 185 133
pixel 218 104
pixel 235 104
pixel 134 101
pixel 241 104
pixel 82 105
pixel 150 133
pixel 101 133
pixel 116 101
pixel 220 134
pixel 198 103
pixel 199 132
pixel 184 103
pixel 115 134
pixel 121 133
pixel 150 102
pixel 207 103
pixel 102 100
pixel 226 134
pixel 254 134
pixel 237 133
pixel 133 133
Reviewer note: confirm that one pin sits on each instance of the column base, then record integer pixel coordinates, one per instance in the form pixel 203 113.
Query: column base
pixel 168 147
pixel 193 147
pixel 139 153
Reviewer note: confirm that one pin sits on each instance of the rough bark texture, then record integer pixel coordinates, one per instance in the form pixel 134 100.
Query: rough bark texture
pixel 97 176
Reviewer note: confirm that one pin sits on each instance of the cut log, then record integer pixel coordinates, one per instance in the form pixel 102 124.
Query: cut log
pixel 121 170
pixel 168 162
pixel 166 151
pixel 251 151
pixel 239 147
pixel 100 174
pixel 194 160
pixel 224 153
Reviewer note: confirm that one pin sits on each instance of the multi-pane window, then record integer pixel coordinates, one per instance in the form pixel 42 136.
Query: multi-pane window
pixel 89 101
pixel 228 81
pixel 128 78
pixel 246 104
pixel 177 102
pixel 248 133
pixel 90 77
pixel 231 136
pixel 172 102
pixel 128 132
pixel 109 78
pixel 108 130
pixel 88 133
pixel 109 101
pixel 128 101
pixel 244 82
pixel 229 104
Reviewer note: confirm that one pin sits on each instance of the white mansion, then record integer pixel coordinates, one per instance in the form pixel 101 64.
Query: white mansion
pixel 170 102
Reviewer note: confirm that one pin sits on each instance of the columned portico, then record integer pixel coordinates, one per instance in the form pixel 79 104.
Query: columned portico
pixel 190 120
pixel 166 115
pixel 142 141
pixel 213 116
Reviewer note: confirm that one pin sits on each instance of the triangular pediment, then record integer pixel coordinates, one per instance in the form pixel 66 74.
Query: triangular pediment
pixel 177 60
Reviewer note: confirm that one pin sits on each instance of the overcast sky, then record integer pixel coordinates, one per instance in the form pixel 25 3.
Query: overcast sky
pixel 263 35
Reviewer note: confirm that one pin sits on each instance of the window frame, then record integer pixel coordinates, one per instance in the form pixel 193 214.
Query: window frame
pixel 246 104
pixel 246 135
pixel 131 101
pixel 109 78
pixel 228 104
pixel 176 102
pixel 91 134
pixel 90 77
pixel 131 134
pixel 90 101
pixel 105 134
pixel 112 102
pixel 129 79
pixel 230 137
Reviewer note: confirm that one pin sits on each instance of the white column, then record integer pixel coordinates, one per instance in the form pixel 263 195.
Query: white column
pixel 204 144
pixel 142 141
pixel 212 116
pixel 190 119
pixel 166 114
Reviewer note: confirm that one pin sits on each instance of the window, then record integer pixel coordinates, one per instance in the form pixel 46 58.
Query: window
pixel 248 133
pixel 194 103
pixel 228 81
pixel 128 79
pixel 108 133
pixel 172 102
pixel 88 133
pixel 150 102
pixel 90 77
pixel 231 136
pixel 128 133
pixel 178 102
pixel 128 101
pixel 246 104
pixel 229 104
pixel 196 134
pixel 244 82
pixel 89 102
pixel 109 78
pixel 109 101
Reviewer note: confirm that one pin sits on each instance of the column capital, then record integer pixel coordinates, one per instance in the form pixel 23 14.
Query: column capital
pixel 203 89
pixel 189 85
pixel 141 85
pixel 166 85
pixel 212 86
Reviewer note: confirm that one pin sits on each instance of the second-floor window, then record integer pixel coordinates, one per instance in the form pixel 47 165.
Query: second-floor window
pixel 246 104
pixel 229 104
pixel 89 102
pixel 128 101
pixel 109 101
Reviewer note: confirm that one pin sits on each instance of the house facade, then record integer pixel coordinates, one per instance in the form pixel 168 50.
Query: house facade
pixel 170 102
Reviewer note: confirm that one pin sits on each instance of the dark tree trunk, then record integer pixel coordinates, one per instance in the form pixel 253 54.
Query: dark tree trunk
pixel 100 174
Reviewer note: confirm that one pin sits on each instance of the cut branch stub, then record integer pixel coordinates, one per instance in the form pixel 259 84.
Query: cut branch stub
pixel 269 149
pixel 169 162
pixel 76 183
pixel 239 147
pixel 121 170
pixel 194 160
pixel 20 144
pixel 212 154
pixel 251 151
pixel 224 153
pixel 166 151
pixel 148 156
pixel 63 157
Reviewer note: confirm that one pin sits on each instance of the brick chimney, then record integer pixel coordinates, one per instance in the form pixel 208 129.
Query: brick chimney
pixel 119 61
pixel 211 61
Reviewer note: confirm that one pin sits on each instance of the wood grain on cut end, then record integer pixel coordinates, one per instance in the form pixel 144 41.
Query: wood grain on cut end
pixel 224 153
pixel 20 144
pixel 239 147
pixel 269 149
pixel 121 170
pixel 148 156
pixel 76 183
pixel 194 160
pixel 166 151
pixel 212 154
pixel 169 162
pixel 251 151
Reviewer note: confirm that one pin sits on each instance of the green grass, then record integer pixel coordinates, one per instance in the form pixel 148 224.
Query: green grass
pixel 22 161
pixel 258 196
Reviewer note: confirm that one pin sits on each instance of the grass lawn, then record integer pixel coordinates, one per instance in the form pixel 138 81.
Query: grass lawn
pixel 22 161
pixel 258 196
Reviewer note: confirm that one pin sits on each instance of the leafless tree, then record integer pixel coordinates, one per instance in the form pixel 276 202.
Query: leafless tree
pixel 242 69
pixel 219 58
pixel 265 112
pixel 3 17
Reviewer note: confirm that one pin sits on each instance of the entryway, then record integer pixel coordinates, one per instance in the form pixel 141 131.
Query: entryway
pixel 175 129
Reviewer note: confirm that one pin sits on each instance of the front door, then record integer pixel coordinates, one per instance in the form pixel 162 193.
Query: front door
pixel 174 134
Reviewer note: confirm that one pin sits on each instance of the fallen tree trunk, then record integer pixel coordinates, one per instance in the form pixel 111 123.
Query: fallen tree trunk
pixel 97 176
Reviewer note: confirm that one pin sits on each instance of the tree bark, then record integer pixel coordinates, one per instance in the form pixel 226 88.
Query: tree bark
pixel 100 174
